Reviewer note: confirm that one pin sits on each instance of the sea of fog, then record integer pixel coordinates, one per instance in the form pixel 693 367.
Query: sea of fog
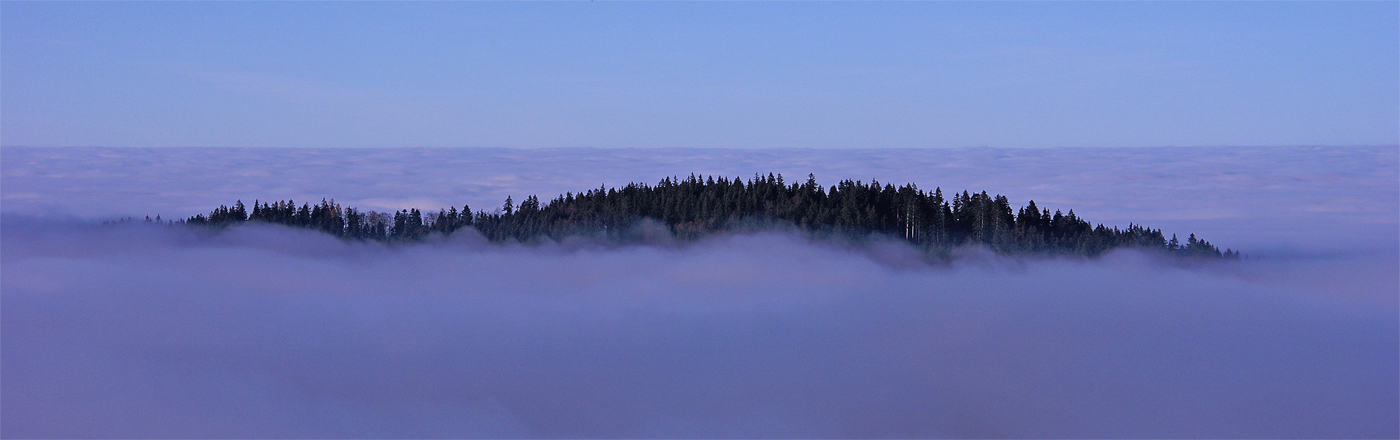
pixel 142 330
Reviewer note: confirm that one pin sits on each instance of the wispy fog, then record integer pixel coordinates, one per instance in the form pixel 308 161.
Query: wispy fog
pixel 1266 201
pixel 140 330
pixel 148 331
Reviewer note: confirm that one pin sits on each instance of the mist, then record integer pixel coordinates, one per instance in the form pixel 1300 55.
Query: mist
pixel 140 330
pixel 1262 200
pixel 150 331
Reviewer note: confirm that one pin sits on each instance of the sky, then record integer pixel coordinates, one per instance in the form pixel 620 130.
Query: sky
pixel 1270 128
pixel 700 75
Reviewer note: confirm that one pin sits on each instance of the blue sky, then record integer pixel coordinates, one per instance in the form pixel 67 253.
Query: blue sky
pixel 728 75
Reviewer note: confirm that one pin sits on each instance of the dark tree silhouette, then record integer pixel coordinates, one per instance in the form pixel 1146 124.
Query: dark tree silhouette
pixel 694 207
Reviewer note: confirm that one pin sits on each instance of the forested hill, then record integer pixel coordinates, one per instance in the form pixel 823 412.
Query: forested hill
pixel 694 207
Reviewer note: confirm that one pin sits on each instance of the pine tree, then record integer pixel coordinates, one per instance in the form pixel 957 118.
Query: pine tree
pixel 695 206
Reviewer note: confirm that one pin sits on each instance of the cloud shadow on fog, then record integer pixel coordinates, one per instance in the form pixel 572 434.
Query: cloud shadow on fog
pixel 137 331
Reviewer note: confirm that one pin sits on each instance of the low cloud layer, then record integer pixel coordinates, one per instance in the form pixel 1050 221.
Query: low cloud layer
pixel 138 330
pixel 147 331
pixel 1266 201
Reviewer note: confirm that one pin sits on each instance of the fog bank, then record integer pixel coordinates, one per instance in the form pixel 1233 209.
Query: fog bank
pixel 147 331
pixel 139 330
pixel 1270 201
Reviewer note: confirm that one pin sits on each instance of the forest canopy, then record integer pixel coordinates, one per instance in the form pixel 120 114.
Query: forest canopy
pixel 694 207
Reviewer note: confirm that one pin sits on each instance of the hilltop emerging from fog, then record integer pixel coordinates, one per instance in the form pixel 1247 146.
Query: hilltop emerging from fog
pixel 694 207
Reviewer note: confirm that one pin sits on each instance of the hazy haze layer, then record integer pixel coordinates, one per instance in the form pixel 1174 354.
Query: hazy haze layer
pixel 140 330
pixel 1262 200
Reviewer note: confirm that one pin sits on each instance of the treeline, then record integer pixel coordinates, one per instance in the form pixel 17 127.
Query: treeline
pixel 694 207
